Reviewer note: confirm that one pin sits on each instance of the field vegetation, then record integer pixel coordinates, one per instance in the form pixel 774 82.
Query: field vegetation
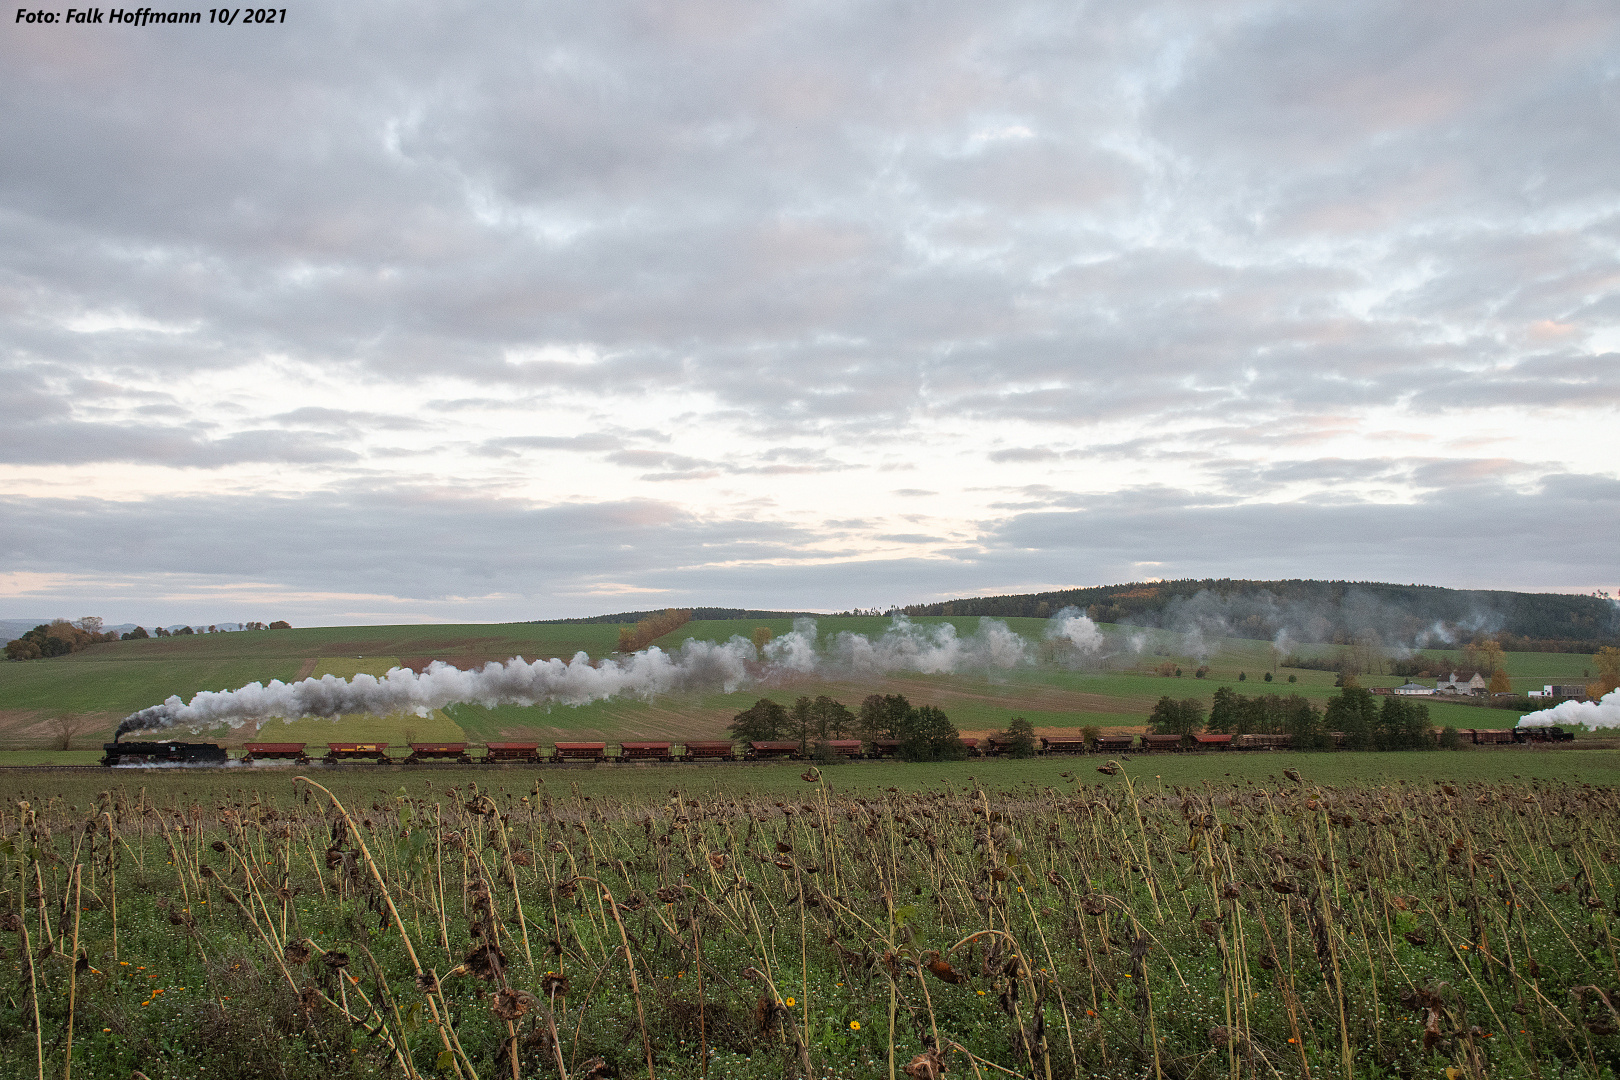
pixel 1225 915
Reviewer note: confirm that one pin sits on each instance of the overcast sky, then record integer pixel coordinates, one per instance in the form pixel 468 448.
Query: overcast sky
pixel 403 312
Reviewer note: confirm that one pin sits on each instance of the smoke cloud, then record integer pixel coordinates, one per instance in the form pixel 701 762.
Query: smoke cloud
pixel 1074 626
pixel 1603 713
pixel 696 665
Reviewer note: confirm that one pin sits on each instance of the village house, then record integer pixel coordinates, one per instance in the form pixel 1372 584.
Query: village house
pixel 1455 685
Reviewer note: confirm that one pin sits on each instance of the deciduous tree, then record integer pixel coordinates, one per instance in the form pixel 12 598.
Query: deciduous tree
pixel 763 720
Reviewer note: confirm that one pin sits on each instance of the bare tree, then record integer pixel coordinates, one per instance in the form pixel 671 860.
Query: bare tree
pixel 63 729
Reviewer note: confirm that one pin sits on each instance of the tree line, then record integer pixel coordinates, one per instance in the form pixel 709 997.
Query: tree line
pixel 924 732
pixel 60 637
pixel 1394 723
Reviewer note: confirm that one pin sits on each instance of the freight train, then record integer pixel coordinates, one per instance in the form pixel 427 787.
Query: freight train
pixel 535 753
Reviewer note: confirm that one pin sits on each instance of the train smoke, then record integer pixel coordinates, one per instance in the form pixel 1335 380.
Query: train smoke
pixel 1603 713
pixel 695 665
pixel 1074 626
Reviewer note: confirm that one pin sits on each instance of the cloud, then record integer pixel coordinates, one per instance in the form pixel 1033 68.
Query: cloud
pixel 1350 262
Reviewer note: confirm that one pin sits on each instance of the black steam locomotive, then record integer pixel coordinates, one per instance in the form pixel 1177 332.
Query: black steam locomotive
pixel 162 753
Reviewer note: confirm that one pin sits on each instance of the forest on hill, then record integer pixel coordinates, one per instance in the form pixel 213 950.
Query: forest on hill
pixel 1325 611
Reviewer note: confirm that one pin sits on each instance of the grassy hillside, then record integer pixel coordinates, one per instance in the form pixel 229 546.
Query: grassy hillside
pixel 106 682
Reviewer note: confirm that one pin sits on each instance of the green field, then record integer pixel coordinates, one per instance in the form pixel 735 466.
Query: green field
pixel 106 682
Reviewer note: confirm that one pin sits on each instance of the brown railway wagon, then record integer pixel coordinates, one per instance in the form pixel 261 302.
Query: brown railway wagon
pixel 357 751
pixel 1211 741
pixel 1161 742
pixel 1063 744
pixel 581 751
pixel 885 748
pixel 645 751
pixel 708 751
pixel 275 751
pixel 850 748
pixel 1265 742
pixel 773 749
pixel 438 751
pixel 1338 739
pixel 1111 743
pixel 1492 736
pixel 526 752
pixel 975 747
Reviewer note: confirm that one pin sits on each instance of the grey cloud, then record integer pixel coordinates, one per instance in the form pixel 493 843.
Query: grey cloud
pixel 345 420
pixel 75 443
pixel 396 543
pixel 1025 454
pixel 512 446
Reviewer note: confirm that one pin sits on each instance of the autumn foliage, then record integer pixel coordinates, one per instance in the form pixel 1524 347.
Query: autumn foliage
pixel 653 627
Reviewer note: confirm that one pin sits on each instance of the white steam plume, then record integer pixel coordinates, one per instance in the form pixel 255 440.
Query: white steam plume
pixel 1603 713
pixel 1075 626
pixel 696 665
pixel 933 650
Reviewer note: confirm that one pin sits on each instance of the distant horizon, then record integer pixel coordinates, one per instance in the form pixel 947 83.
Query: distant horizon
pixel 127 624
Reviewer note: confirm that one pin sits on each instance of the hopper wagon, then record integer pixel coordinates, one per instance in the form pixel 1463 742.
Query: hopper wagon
pixel 275 751
pixel 645 751
pixel 709 751
pixel 773 750
pixel 884 748
pixel 357 751
pixel 512 753
pixel 1161 742
pixel 1110 744
pixel 454 752
pixel 975 747
pixel 845 748
pixel 580 751
pixel 1213 741
pixel 1063 744
pixel 1265 742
